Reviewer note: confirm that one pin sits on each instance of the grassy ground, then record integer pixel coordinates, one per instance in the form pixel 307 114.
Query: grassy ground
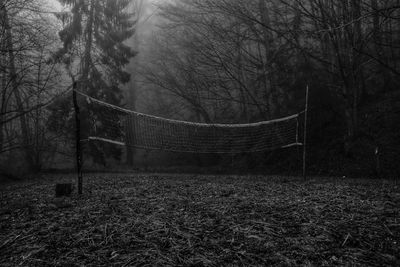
pixel 189 220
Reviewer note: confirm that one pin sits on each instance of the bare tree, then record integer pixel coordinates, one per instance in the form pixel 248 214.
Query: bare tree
pixel 27 78
pixel 258 55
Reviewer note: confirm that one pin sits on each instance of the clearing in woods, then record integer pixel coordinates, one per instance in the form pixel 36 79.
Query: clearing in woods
pixel 183 220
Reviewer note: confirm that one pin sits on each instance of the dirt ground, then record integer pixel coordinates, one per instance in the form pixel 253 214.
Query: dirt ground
pixel 195 220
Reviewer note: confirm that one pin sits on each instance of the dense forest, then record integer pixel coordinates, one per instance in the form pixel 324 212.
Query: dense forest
pixel 210 61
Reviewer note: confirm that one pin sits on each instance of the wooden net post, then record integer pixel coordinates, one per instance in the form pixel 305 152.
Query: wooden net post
pixel 305 137
pixel 78 138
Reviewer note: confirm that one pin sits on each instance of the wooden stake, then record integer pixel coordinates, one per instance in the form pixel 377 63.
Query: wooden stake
pixel 305 136
pixel 78 139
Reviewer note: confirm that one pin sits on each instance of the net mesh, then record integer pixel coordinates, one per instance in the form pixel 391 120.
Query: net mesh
pixel 116 125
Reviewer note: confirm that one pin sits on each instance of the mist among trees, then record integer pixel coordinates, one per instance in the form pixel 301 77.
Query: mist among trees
pixel 180 133
pixel 246 61
pixel 210 61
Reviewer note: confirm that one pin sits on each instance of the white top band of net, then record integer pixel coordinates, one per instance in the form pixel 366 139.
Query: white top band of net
pixel 125 127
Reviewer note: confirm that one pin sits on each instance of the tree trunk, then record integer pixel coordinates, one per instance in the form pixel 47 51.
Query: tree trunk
pixel 132 90
pixel 350 126
pixel 138 8
pixel 376 29
pixel 87 59
pixel 358 67
pixel 242 96
pixel 267 43
pixel 3 87
pixel 15 88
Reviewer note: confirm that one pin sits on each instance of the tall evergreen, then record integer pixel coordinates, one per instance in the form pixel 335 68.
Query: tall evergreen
pixel 93 46
pixel 93 37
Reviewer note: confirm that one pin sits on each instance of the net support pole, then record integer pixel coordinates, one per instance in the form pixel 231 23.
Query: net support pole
pixel 77 138
pixel 305 136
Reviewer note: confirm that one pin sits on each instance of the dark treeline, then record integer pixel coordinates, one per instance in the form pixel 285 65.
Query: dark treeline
pixel 222 61
pixel 246 61
pixel 42 52
pixel 27 82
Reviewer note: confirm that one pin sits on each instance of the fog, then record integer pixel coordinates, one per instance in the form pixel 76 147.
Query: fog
pixel 212 62
pixel 199 133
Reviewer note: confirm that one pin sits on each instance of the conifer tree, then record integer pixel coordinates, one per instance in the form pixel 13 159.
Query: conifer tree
pixel 93 50
pixel 93 39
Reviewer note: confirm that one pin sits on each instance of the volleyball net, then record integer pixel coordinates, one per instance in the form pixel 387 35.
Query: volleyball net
pixel 112 124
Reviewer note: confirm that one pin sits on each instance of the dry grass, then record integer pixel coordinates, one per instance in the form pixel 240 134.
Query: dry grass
pixel 166 220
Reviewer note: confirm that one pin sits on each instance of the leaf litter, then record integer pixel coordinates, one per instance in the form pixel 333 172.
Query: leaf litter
pixel 196 220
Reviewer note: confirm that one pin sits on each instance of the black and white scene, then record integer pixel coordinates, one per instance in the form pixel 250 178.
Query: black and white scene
pixel 199 133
